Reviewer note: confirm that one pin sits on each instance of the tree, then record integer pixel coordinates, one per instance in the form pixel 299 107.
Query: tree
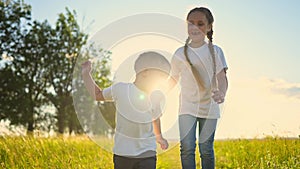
pixel 37 63
pixel 33 66
pixel 21 97
pixel 69 41
pixel 15 17
pixel 11 37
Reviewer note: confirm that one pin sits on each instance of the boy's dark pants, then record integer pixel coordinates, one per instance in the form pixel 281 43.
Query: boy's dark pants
pixel 121 162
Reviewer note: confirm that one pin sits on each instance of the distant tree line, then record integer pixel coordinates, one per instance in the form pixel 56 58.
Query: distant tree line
pixel 37 65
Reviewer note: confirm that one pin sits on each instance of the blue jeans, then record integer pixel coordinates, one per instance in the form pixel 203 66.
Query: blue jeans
pixel 187 129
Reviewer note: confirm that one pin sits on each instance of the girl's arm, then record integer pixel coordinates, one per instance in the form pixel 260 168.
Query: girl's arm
pixel 93 89
pixel 172 81
pixel 220 94
pixel 170 84
pixel 157 131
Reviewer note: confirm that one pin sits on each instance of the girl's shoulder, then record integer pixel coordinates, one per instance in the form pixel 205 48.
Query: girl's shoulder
pixel 179 50
pixel 218 48
pixel 179 53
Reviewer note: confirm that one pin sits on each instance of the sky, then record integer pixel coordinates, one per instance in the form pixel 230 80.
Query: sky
pixel 259 40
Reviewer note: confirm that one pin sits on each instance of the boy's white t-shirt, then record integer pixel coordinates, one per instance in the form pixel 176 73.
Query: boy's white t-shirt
pixel 190 97
pixel 135 111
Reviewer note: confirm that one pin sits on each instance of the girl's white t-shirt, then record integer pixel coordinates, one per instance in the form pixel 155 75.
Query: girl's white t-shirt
pixel 190 95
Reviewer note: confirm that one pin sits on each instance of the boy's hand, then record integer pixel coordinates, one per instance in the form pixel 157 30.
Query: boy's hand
pixel 163 143
pixel 86 67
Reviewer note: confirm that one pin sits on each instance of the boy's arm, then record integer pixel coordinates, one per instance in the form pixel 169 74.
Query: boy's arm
pixel 157 128
pixel 157 131
pixel 93 89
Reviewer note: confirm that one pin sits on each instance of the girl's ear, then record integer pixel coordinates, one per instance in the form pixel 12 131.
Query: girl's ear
pixel 209 28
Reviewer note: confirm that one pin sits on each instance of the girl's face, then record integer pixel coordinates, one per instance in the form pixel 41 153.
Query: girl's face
pixel 198 26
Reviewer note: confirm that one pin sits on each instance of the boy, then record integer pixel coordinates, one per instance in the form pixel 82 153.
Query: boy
pixel 138 111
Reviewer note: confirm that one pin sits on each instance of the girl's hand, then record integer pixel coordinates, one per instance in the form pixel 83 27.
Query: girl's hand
pixel 218 96
pixel 86 67
pixel 163 143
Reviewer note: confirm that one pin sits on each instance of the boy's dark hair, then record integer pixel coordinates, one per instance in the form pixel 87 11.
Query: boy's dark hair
pixel 151 60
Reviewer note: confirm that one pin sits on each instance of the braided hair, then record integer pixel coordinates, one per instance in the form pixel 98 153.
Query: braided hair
pixel 209 35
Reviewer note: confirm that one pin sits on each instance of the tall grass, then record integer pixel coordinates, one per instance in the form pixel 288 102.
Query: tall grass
pixel 81 152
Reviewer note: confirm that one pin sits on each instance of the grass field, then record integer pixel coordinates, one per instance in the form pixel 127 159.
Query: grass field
pixel 81 152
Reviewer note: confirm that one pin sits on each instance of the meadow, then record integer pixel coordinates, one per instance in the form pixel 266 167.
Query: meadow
pixel 81 152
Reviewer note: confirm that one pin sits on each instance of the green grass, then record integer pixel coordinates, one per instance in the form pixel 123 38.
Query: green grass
pixel 81 152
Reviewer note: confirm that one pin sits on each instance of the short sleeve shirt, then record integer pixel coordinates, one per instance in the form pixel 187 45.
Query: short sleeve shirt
pixel 190 95
pixel 135 113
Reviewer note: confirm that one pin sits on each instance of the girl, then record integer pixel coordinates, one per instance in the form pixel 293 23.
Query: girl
pixel 200 68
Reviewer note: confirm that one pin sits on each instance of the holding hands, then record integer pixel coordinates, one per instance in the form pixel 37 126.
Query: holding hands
pixel 163 142
pixel 218 96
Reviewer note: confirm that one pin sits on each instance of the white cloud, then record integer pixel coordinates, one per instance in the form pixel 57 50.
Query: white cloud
pixel 260 107
pixel 280 86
